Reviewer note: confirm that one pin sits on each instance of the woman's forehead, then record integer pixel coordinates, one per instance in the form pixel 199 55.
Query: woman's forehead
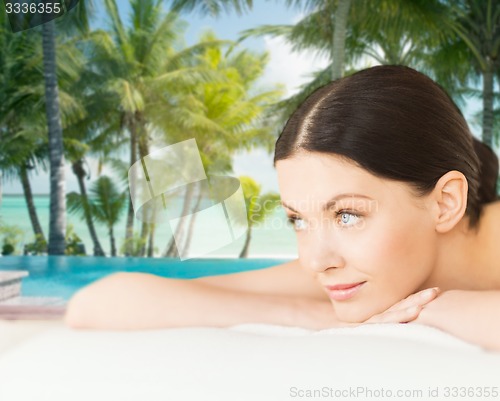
pixel 317 178
pixel 319 170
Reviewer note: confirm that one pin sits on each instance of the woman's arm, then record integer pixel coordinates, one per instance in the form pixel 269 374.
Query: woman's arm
pixel 289 279
pixel 473 316
pixel 135 301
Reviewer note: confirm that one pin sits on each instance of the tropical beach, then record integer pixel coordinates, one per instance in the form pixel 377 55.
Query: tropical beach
pixel 283 245
pixel 137 137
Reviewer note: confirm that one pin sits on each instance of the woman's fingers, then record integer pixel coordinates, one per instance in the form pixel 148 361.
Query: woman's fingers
pixel 419 298
pixel 406 310
pixel 397 316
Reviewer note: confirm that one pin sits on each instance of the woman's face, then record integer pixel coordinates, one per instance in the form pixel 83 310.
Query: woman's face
pixel 380 233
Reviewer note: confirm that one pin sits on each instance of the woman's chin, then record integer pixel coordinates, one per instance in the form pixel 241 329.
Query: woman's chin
pixel 350 316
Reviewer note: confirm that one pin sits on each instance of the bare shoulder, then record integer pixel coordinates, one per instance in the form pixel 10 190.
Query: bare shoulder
pixel 285 279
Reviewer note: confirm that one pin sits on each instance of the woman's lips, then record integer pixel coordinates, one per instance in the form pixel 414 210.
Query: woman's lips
pixel 342 292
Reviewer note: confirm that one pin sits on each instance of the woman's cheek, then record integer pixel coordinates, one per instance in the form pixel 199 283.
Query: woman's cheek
pixel 404 253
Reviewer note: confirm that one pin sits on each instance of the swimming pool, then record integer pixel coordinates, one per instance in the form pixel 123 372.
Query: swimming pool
pixel 62 276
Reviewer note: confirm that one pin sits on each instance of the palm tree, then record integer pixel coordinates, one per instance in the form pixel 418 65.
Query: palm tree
pixel 258 205
pixel 460 31
pixel 212 7
pixel 23 169
pixel 476 42
pixel 22 140
pixel 329 25
pixel 340 17
pixel 21 151
pixel 79 170
pixel 145 70
pixel 346 30
pixel 95 130
pixel 226 115
pixel 57 227
pixel 78 18
pixel 106 204
pixel 23 126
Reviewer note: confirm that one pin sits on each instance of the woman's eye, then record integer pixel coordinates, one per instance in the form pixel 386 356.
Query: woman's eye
pixel 297 223
pixel 343 217
pixel 347 218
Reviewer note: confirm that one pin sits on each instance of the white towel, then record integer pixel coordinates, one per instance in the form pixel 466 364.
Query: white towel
pixel 243 363
pixel 415 332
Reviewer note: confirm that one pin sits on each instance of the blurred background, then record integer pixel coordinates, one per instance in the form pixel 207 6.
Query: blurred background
pixel 86 95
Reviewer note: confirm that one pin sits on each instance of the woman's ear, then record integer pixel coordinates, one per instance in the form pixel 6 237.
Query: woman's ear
pixel 450 200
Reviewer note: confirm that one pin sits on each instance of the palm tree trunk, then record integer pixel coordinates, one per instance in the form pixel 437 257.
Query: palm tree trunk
pixel 112 241
pixel 192 219
pixel 151 242
pixel 244 251
pixel 80 175
pixel 129 230
pixel 143 152
pixel 144 239
pixel 28 196
pixel 172 250
pixel 488 107
pixel 57 226
pixel 339 33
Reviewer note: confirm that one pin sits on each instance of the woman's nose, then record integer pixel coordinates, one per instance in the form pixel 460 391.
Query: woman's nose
pixel 321 253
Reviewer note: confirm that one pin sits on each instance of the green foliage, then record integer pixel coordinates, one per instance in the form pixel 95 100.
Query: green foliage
pixel 37 247
pixel 212 7
pixel 401 33
pixel 74 244
pixel 133 245
pixel 228 112
pixel 22 119
pixel 7 249
pixel 11 236
pixel 107 201
pixel 259 206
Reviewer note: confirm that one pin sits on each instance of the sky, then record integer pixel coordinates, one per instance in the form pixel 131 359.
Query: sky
pixel 284 67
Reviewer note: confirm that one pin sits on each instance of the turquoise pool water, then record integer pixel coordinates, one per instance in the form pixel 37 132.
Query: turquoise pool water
pixel 62 276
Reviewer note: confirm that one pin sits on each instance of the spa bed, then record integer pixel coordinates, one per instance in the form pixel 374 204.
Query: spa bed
pixel 46 361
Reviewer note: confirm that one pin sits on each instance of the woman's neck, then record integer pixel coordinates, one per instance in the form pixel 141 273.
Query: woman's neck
pixel 465 256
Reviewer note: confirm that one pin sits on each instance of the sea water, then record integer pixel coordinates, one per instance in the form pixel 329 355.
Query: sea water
pixel 272 238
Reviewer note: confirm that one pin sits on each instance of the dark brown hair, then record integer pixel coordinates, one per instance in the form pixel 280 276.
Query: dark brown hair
pixel 488 170
pixel 393 121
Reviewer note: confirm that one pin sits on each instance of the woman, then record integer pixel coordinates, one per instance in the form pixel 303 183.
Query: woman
pixel 379 177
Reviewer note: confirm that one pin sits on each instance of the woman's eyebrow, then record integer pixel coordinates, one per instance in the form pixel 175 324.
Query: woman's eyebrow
pixel 332 201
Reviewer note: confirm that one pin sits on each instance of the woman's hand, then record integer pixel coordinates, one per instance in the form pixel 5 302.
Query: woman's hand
pixel 406 310
pixel 320 315
pixel 471 315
